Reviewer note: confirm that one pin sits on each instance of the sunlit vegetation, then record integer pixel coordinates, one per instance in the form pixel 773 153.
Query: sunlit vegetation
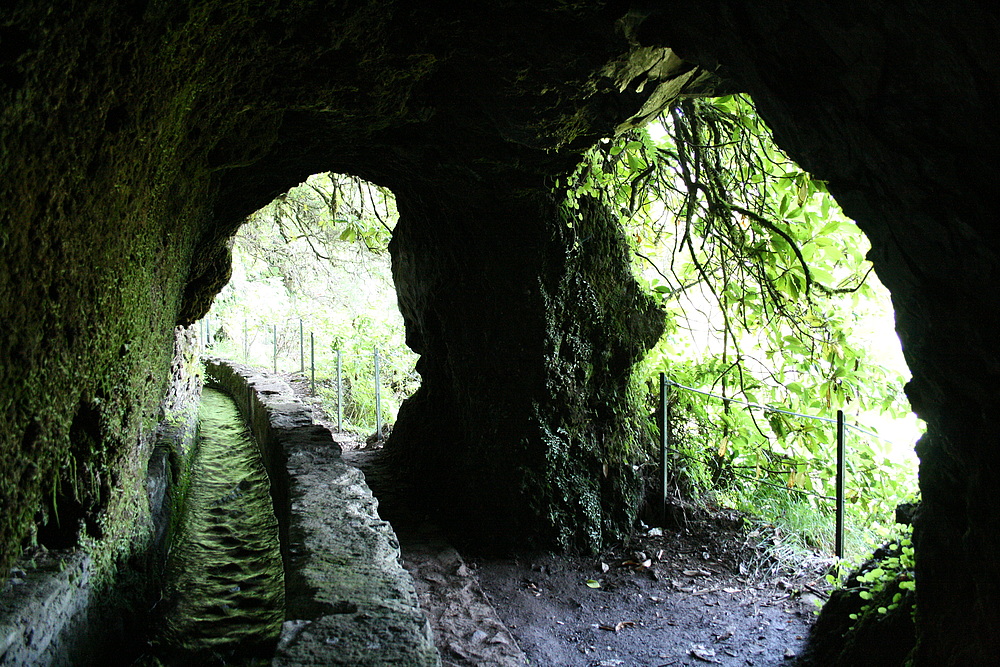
pixel 318 255
pixel 767 297
pixel 768 300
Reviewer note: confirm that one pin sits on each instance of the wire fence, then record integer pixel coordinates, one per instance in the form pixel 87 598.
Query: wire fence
pixel 291 348
pixel 842 426
pixel 363 387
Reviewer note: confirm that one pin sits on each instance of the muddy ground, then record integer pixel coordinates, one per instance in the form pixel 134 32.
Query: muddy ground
pixel 701 593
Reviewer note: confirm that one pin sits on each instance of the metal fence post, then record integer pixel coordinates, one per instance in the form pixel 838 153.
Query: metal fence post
pixel 274 336
pixel 312 360
pixel 664 442
pixel 839 548
pixel 340 397
pixel 378 399
pixel 208 333
pixel 302 349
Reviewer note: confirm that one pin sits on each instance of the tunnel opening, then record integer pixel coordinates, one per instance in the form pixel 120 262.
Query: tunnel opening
pixel 721 370
pixel 775 320
pixel 310 302
pixel 311 295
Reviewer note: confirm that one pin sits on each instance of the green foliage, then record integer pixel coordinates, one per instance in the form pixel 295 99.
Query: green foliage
pixel 318 254
pixel 885 583
pixel 767 298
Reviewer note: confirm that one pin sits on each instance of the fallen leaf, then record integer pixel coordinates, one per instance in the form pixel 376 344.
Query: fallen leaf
pixel 593 583
pixel 617 627
pixel 697 573
pixel 605 567
pixel 702 653
pixel 730 589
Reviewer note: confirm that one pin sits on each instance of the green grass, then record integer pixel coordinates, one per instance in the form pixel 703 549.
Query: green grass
pixel 792 526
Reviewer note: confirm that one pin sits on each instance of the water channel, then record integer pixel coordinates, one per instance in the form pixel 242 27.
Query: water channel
pixel 224 590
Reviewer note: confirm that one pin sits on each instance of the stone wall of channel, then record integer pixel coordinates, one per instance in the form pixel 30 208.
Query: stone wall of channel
pixel 71 606
pixel 349 600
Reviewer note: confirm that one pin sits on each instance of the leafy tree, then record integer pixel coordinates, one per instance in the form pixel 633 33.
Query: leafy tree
pixel 763 282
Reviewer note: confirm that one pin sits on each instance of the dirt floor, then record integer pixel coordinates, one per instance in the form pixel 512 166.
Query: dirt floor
pixel 675 599
pixel 702 594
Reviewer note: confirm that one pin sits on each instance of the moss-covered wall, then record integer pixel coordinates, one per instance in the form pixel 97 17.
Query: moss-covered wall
pixel 136 135
pixel 98 226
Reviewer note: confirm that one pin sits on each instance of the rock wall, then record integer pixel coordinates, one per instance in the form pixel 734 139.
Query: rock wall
pixel 57 608
pixel 134 136
pixel 103 198
pixel 348 599
pixel 45 615
pixel 528 324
